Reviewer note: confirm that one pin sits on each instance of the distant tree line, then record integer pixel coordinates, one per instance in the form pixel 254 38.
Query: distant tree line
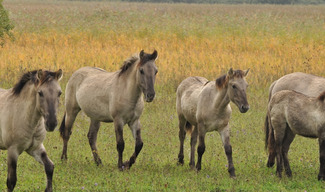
pixel 235 1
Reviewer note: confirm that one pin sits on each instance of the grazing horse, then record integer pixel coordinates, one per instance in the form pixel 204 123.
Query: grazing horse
pixel 292 113
pixel 206 106
pixel 27 111
pixel 306 84
pixel 111 97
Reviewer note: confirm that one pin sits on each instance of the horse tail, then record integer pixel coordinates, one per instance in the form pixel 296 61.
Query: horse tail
pixel 269 135
pixel 188 127
pixel 62 127
pixel 266 124
pixel 267 131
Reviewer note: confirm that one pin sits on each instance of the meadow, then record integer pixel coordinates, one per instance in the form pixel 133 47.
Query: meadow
pixel 200 40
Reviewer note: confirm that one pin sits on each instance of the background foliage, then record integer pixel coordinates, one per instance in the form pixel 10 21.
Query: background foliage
pixel 191 39
pixel 5 25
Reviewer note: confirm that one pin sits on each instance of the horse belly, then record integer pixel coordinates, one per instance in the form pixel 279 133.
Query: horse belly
pixel 189 112
pixel 302 127
pixel 95 105
pixel 98 114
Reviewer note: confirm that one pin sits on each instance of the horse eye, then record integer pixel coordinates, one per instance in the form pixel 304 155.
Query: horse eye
pixel 141 71
pixel 234 87
pixel 59 93
pixel 40 93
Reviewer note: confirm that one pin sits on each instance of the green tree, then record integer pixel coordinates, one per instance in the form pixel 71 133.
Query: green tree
pixel 5 25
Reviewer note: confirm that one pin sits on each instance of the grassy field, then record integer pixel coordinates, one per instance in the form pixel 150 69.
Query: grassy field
pixel 202 40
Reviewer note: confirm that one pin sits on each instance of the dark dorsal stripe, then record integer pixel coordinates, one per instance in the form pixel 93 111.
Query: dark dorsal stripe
pixel 31 76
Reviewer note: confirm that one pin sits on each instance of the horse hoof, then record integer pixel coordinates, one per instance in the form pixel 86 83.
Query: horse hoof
pixel 233 177
pixel 321 178
pixel 269 165
pixel 98 162
pixel 231 172
pixel 180 163
pixel 64 157
pixel 289 174
pixel 125 166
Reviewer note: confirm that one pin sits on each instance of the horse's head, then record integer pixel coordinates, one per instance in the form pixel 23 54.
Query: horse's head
pixel 237 86
pixel 48 96
pixel 147 71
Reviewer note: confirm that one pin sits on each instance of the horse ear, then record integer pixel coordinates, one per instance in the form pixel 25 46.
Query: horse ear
pixel 246 72
pixel 59 74
pixel 39 74
pixel 154 55
pixel 230 72
pixel 141 54
pixel 38 77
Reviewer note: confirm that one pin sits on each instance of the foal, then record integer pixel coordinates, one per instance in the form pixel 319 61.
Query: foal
pixel 206 105
pixel 292 113
pixel 111 97
pixel 26 112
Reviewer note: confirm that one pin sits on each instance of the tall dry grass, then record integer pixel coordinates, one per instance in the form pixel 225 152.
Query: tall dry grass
pixel 203 40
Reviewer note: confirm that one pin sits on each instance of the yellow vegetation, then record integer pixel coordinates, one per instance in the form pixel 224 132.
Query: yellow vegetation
pixel 202 40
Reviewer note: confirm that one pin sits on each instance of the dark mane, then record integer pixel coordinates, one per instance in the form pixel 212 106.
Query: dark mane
pixel 223 79
pixel 239 74
pixel 31 76
pixel 128 63
pixel 321 97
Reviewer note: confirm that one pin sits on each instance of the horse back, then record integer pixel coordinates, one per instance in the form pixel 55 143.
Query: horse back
pixel 188 93
pixel 304 83
pixel 89 89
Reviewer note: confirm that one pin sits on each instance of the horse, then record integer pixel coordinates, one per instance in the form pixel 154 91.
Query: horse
pixel 27 111
pixel 206 106
pixel 291 113
pixel 306 84
pixel 110 97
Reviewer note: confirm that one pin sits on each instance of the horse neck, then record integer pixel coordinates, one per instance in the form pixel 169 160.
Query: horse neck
pixel 27 104
pixel 222 99
pixel 130 89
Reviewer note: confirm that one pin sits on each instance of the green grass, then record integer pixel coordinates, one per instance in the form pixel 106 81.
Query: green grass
pixel 156 168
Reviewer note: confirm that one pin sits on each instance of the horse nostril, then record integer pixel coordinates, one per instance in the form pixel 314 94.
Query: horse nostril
pixel 244 108
pixel 51 125
pixel 150 95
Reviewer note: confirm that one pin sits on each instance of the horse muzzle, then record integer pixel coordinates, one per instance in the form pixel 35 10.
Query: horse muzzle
pixel 149 97
pixel 243 108
pixel 50 125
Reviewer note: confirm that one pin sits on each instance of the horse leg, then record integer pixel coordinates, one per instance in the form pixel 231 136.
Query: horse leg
pixel 225 137
pixel 288 138
pixel 181 136
pixel 92 138
pixel 136 131
pixel 40 155
pixel 194 135
pixel 12 169
pixel 119 142
pixel 321 174
pixel 65 129
pixel 201 146
pixel 278 128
